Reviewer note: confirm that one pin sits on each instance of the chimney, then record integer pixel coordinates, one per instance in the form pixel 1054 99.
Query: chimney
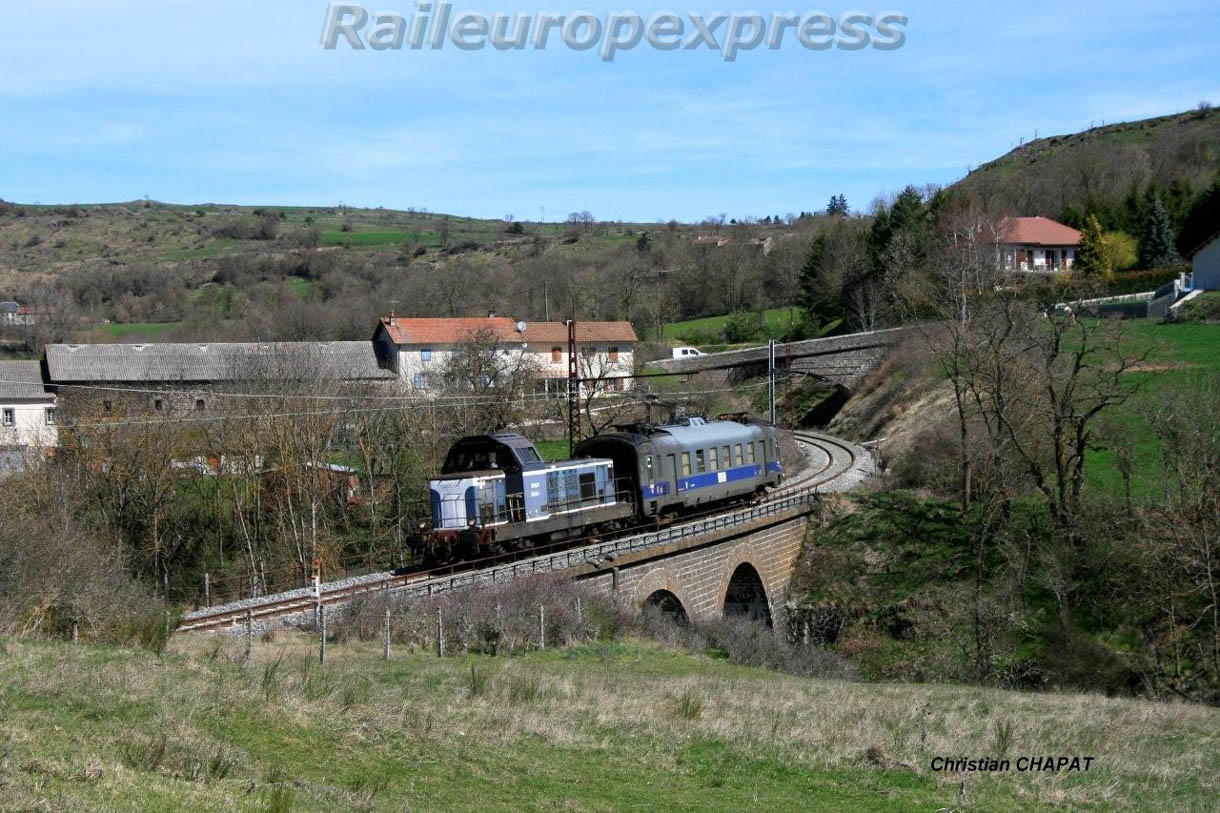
pixel 491 314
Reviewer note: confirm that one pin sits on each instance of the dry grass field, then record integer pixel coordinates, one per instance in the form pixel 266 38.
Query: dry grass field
pixel 598 727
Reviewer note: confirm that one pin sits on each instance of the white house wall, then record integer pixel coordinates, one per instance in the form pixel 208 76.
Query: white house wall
pixel 1207 267
pixel 411 363
pixel 30 426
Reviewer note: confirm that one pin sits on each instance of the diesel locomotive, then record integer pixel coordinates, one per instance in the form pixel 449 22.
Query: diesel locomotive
pixel 495 493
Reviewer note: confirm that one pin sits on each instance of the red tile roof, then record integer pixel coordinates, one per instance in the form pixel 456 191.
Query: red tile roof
pixel 557 332
pixel 452 331
pixel 447 331
pixel 1037 231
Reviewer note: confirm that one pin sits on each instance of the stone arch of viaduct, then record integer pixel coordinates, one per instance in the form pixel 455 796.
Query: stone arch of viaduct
pixel 700 577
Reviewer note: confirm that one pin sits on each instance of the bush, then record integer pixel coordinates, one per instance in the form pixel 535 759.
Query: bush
pixel 1203 308
pixel 504 620
pixel 742 327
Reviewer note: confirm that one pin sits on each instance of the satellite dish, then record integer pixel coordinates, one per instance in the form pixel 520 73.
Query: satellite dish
pixel 521 327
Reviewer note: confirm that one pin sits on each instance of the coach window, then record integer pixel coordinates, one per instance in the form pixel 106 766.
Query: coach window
pixel 712 462
pixel 725 458
pixel 648 465
pixel 737 458
pixel 686 464
pixel 556 355
pixel 750 452
pixel 700 464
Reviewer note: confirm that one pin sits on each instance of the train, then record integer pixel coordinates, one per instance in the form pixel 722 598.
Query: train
pixel 496 494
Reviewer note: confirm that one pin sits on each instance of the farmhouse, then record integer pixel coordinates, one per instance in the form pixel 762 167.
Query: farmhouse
pixel 1037 244
pixel 418 349
pixel 27 415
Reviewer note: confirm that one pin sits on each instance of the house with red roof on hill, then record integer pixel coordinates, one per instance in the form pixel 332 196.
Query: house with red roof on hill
pixel 417 349
pixel 1037 244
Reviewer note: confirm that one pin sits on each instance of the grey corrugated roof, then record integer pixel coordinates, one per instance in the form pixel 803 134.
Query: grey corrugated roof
pixel 22 381
pixel 223 361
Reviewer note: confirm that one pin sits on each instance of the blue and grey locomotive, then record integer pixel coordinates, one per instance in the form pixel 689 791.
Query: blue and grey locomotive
pixel 496 493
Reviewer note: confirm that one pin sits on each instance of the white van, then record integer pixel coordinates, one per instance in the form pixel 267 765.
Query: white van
pixel 686 352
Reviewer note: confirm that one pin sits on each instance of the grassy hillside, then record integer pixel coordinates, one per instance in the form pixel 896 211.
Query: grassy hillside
pixel 598 727
pixel 1047 174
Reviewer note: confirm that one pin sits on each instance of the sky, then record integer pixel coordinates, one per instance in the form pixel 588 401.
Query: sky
pixel 227 101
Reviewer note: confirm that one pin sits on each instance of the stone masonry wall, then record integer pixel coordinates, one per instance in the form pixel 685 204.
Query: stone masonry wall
pixel 699 577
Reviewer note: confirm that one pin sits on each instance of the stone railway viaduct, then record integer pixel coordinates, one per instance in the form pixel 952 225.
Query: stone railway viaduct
pixel 744 570
pixel 842 360
pixel 727 564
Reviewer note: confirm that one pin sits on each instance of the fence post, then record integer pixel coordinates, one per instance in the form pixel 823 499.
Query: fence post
pixel 207 590
pixel 322 630
pixel 249 634
pixel 580 615
pixel 75 631
pixel 386 654
pixel 440 634
pixel 541 627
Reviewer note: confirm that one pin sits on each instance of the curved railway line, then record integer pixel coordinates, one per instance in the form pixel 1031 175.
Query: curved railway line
pixel 836 465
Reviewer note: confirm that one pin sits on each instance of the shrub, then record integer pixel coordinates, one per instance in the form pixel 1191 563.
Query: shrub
pixel 743 326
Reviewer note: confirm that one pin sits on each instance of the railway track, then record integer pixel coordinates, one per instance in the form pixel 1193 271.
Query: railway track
pixel 835 461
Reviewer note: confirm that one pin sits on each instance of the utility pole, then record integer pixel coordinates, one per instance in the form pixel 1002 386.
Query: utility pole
pixel 573 390
pixel 771 377
pixel 546 300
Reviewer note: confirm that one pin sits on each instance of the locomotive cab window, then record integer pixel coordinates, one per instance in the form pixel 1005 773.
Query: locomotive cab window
pixel 588 487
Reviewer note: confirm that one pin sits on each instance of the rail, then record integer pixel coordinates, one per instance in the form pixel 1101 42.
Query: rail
pixel 794 498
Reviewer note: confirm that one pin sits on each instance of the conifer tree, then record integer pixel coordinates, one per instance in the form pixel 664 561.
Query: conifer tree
pixel 1157 248
pixel 1092 260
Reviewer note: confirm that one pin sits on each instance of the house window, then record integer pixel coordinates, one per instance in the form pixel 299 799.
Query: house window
pixel 419 381
pixel 588 351
pixel 425 355
pixel 158 404
pixel 556 355
pixel 199 405
pixel 50 416
pixel 614 354
pixel 10 417
pixel 106 405
pixel 686 464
